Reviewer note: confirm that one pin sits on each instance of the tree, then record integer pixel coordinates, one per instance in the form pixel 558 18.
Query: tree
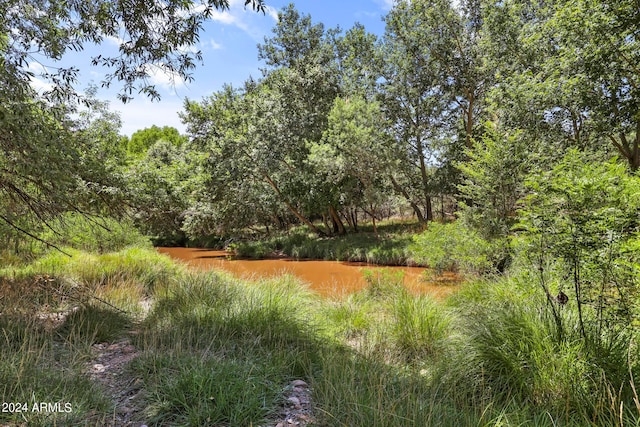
pixel 143 139
pixel 358 60
pixel 353 157
pixel 47 164
pixel 493 178
pixel 415 101
pixel 230 167
pixel 600 46
pixel 44 161
pixel 570 77
pixel 151 34
pixel 159 182
pixel 300 88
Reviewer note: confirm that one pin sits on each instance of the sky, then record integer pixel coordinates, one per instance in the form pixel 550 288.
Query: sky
pixel 230 55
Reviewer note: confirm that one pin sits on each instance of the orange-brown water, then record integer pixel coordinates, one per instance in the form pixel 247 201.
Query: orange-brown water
pixel 328 278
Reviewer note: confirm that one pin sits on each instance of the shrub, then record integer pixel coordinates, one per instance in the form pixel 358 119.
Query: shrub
pixel 93 234
pixel 580 224
pixel 455 247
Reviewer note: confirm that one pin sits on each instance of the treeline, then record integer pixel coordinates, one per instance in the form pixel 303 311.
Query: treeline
pixel 448 114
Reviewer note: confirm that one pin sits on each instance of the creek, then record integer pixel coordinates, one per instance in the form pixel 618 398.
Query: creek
pixel 328 278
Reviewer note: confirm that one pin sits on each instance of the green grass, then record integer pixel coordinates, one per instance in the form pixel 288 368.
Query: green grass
pixel 214 350
pixel 37 366
pixel 196 390
pixel 389 247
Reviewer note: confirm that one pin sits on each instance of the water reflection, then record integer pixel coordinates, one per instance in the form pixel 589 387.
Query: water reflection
pixel 328 278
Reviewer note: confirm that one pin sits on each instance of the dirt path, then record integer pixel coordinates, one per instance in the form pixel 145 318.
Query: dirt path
pixel 107 368
pixel 297 409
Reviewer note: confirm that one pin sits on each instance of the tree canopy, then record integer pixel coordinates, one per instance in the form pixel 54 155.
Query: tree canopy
pixel 149 34
pixel 47 161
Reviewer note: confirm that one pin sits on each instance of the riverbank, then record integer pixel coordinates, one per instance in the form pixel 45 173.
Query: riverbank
pixel 331 279
pixel 132 338
pixel 390 245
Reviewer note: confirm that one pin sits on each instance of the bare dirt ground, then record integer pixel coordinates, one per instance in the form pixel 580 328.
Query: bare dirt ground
pixel 107 368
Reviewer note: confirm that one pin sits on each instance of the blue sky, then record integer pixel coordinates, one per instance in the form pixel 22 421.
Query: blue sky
pixel 229 47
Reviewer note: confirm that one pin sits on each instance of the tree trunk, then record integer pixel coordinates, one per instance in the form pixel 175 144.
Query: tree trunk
pixel 347 217
pixel 429 209
pixel 469 120
pixel 293 210
pixel 337 222
pixel 425 181
pixel 354 216
pixel 325 221
pixel 415 207
pixel 373 219
pixel 630 151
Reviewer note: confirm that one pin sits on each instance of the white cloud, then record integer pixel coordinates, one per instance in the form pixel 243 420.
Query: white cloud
pixel 244 18
pixel 272 13
pixel 224 17
pixel 40 85
pixel 116 41
pixel 141 113
pixel 37 83
pixel 386 4
pixel 214 45
pixel 161 75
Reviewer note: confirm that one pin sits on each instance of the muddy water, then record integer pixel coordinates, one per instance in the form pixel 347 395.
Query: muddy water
pixel 328 278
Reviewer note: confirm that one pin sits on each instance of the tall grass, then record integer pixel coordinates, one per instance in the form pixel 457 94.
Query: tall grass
pixel 389 247
pixel 214 350
pixel 52 311
pixel 36 366
pixel 510 349
pixel 143 266
pixel 228 349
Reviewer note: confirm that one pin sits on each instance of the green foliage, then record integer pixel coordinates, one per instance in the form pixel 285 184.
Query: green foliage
pixel 93 234
pixel 389 247
pixel 493 181
pixel 213 348
pixel 337 122
pixel 159 182
pixel 143 266
pixel 580 221
pixel 357 391
pixel 56 157
pixel 456 247
pixel 563 72
pixel 144 139
pixel 353 158
pixel 156 34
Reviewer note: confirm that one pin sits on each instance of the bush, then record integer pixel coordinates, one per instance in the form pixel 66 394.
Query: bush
pixel 579 226
pixel 510 350
pixel 457 248
pixel 93 234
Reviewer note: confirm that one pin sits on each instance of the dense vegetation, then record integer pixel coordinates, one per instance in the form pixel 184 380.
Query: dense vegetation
pixel 210 349
pixel 509 131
